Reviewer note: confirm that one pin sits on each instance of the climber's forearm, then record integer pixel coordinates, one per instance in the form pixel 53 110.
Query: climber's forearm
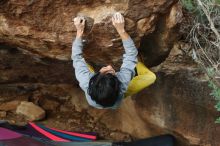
pixel 77 48
pixel 77 44
pixel 78 61
pixel 123 34
pixel 129 46
pixel 79 34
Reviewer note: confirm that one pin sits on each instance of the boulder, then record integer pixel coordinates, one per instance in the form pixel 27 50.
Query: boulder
pixel 78 100
pixel 3 114
pixel 40 33
pixel 49 104
pixel 45 28
pixel 9 106
pixel 178 103
pixel 31 111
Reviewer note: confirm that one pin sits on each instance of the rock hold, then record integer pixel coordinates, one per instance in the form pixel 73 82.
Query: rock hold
pixel 48 104
pixel 31 111
pixel 3 114
pixel 9 106
pixel 47 29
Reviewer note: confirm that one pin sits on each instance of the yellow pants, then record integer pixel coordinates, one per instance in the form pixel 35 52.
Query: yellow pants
pixel 144 78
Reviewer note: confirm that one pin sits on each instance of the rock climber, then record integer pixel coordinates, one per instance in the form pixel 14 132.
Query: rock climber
pixel 106 88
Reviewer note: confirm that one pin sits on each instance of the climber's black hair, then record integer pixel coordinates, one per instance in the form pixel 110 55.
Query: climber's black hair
pixel 104 89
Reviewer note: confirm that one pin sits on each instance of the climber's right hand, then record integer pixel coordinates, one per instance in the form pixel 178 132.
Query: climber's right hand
pixel 118 22
pixel 79 23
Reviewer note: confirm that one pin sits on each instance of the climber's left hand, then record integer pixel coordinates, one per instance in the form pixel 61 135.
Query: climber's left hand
pixel 79 23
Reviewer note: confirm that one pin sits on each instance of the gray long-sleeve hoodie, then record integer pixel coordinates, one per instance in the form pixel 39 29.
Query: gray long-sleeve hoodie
pixel 126 73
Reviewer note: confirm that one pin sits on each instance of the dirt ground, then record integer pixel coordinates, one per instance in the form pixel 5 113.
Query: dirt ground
pixel 64 116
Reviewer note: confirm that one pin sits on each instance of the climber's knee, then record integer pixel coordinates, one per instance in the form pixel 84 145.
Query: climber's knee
pixel 140 82
pixel 142 69
pixel 153 77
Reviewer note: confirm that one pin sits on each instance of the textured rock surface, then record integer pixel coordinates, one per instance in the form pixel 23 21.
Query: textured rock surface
pixel 45 28
pixel 178 103
pixel 3 114
pixel 38 69
pixel 9 106
pixel 31 111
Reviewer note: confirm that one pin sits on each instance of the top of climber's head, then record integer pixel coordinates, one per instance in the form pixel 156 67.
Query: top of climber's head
pixel 104 87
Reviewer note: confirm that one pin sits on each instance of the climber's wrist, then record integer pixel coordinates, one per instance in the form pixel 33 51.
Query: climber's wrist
pixel 121 32
pixel 79 33
pixel 124 35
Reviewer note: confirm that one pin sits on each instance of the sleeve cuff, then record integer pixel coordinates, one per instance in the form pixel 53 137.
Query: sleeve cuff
pixel 127 41
pixel 78 41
